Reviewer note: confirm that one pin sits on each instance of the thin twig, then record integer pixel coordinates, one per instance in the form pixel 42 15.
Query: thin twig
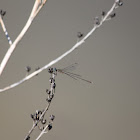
pixel 67 52
pixel 49 99
pixel 5 31
pixel 42 132
pixel 37 6
pixel 36 123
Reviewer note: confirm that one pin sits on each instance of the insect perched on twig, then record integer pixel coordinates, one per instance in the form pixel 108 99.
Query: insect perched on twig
pixel 70 74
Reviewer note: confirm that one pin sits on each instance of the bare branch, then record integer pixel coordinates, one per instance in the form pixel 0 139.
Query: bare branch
pixel 4 29
pixel 39 115
pixel 42 132
pixel 35 124
pixel 37 7
pixel 100 22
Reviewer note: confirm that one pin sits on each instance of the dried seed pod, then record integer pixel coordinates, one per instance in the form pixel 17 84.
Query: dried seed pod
pixel 48 100
pixel 96 21
pixel 43 121
pixel 54 85
pixel 37 111
pixel 37 69
pixel 37 117
pixel 28 138
pixel 51 80
pixel 41 128
pixel 103 13
pixel 50 70
pixel 4 12
pixel 52 117
pixel 48 91
pixel 28 68
pixel 32 116
pixel 113 15
pixel 80 35
pixel 51 96
pixel 49 126
pixel 120 3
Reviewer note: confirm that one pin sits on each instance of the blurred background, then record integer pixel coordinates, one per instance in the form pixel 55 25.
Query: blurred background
pixel 108 109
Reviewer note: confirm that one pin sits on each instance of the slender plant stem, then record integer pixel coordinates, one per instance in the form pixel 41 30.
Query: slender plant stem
pixel 51 93
pixel 5 31
pixel 105 18
pixel 42 132
pixel 37 6
pixel 36 123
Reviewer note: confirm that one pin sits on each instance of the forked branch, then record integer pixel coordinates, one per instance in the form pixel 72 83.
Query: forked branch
pixel 37 7
pixel 97 23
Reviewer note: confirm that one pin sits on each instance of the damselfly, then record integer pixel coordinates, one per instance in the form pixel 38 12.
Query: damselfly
pixel 67 72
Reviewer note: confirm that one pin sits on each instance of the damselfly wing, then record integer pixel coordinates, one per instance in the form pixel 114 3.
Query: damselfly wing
pixel 67 72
